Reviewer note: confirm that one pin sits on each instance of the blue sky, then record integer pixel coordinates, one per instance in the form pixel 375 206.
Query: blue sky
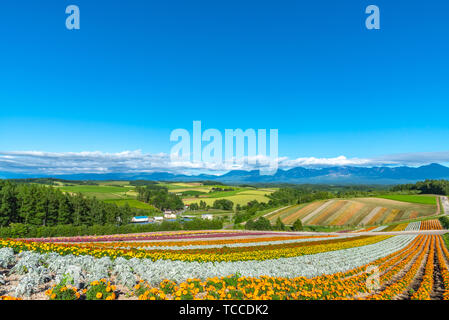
pixel 136 70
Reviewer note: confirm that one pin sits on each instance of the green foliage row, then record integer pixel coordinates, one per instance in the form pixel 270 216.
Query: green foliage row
pixel 264 224
pixel 427 187
pixel 444 222
pixel 19 230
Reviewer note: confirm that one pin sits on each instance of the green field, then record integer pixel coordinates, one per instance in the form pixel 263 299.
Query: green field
pixel 422 199
pixel 215 212
pixel 133 203
pixel 103 191
pixel 242 197
pixel 199 192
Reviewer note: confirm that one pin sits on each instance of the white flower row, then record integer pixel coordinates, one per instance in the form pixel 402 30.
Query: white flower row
pixel 241 244
pixel 307 265
pixel 39 268
pixel 378 229
pixel 413 226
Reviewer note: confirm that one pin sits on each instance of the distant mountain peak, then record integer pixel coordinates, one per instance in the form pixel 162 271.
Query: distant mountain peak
pixel 343 174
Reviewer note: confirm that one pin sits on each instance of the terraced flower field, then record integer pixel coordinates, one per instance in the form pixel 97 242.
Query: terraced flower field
pixel 356 212
pixel 228 265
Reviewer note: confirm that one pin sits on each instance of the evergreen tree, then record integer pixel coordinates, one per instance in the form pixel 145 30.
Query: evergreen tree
pixel 279 224
pixel 9 206
pixel 297 225
pixel 65 211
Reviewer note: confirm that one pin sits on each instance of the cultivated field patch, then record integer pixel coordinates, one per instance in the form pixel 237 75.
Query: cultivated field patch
pixel 357 211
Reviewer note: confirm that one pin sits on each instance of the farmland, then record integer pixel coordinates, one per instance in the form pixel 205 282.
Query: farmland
pixel 239 195
pixel 229 265
pixel 101 190
pixel 356 212
pixel 423 199
pixel 121 192
pixel 398 235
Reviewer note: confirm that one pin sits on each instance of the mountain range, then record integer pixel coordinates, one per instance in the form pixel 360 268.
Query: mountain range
pixel 340 174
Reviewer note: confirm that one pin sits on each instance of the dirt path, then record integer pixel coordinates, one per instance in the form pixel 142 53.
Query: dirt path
pixel 275 211
pixel 445 203
pixel 400 274
pixel 438 286
pixel 416 282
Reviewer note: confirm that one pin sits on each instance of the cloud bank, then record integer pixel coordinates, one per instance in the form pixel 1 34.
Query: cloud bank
pixel 54 163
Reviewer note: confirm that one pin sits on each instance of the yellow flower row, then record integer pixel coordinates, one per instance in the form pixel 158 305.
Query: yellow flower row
pixel 263 253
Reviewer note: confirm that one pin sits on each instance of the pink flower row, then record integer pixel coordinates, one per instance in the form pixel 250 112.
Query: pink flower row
pixel 143 237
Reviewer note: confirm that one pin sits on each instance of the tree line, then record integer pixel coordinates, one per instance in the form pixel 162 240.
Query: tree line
pixel 440 187
pixel 38 205
pixel 18 230
pixel 159 197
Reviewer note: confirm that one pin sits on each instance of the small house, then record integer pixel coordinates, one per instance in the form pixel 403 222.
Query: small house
pixel 169 216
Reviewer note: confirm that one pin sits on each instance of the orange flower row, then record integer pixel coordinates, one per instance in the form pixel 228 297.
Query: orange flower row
pixel 442 255
pixel 398 286
pixel 425 288
pixel 431 225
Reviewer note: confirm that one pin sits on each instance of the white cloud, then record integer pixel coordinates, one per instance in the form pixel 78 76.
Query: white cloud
pixel 48 163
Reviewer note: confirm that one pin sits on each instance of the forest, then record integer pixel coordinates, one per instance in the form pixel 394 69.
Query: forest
pixel 440 187
pixel 38 205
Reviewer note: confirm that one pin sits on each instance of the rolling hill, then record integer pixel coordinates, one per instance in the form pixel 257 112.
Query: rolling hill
pixel 355 212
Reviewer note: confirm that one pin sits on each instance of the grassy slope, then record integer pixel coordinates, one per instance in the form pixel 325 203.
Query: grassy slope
pixel 133 203
pixel 101 192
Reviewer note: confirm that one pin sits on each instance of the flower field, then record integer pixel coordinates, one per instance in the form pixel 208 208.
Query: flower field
pixel 431 225
pixel 357 211
pixel 227 265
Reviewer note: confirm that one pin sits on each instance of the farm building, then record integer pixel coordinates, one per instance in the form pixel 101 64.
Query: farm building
pixel 158 219
pixel 169 216
pixel 207 216
pixel 140 219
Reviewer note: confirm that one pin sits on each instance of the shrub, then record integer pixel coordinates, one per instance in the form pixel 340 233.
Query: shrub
pixel 145 292
pixel 260 224
pixel 100 290
pixel 63 291
pixel 279 225
pixel 297 225
pixel 445 222
pixel 18 230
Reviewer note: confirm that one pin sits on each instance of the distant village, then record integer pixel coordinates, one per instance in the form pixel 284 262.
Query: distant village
pixel 170 215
